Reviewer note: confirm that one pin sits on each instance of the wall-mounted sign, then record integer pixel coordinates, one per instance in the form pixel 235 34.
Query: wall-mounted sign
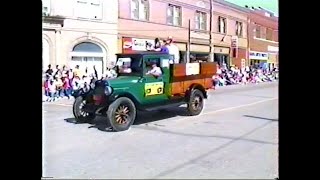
pixel 258 55
pixel 234 41
pixel 273 49
pixel 136 44
pixel 243 63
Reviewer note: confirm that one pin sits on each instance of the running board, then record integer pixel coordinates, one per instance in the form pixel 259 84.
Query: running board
pixel 167 106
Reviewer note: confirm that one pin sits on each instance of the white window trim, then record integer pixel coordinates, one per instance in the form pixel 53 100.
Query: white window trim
pixel 226 25
pixel 173 14
pixel 140 11
pixel 241 32
pixel 131 10
pixel 255 31
pixel 46 3
pixel 201 14
pixel 197 21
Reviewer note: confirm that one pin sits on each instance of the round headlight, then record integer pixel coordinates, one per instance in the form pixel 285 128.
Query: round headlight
pixel 108 90
pixel 85 89
pixel 92 85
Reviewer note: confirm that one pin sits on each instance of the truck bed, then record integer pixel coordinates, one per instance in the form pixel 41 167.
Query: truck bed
pixel 185 74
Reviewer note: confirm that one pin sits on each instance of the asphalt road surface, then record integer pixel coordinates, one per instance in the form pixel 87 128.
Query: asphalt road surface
pixel 236 136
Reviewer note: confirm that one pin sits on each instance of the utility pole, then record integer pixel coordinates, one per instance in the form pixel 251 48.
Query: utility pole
pixel 211 47
pixel 189 42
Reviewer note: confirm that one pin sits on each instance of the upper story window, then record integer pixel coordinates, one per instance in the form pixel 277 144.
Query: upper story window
pixel 269 34
pixel 258 31
pixel 46 7
pixel 174 15
pixel 201 20
pixel 222 25
pixel 140 9
pixel 91 9
pixel 239 28
pixel 275 35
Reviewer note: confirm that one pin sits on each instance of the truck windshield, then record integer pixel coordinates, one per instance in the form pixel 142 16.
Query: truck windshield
pixel 129 66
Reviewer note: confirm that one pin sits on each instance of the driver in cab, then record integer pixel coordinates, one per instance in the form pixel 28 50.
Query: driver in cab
pixel 155 70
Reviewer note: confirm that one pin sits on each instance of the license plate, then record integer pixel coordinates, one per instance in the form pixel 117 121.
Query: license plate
pixel 97 97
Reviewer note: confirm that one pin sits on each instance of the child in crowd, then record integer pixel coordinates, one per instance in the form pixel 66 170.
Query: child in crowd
pixel 52 90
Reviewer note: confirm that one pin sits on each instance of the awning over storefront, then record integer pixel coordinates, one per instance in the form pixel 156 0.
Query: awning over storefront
pixel 221 50
pixel 199 48
pixel 181 46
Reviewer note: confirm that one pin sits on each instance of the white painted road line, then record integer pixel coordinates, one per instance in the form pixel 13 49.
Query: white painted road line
pixel 240 106
pixel 184 119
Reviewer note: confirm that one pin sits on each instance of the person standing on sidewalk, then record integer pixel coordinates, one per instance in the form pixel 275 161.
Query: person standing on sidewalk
pixel 52 90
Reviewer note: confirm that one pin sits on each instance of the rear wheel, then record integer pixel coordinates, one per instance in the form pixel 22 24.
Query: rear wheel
pixel 121 114
pixel 80 115
pixel 195 103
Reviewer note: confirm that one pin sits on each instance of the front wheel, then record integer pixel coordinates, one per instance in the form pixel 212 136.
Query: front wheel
pixel 80 115
pixel 121 114
pixel 195 103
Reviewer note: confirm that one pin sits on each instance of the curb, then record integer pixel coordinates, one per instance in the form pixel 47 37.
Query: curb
pixel 236 88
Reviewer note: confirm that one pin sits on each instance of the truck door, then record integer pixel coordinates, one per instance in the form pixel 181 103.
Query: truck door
pixel 154 87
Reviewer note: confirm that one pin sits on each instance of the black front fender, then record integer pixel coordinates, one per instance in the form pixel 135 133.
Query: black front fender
pixel 113 97
pixel 80 92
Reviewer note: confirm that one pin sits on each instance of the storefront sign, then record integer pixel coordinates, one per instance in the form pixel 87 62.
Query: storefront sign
pixel 135 44
pixel 234 41
pixel 258 55
pixel 273 48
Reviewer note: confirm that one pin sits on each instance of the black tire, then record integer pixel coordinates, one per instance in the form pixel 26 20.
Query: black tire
pixel 121 114
pixel 195 103
pixel 79 114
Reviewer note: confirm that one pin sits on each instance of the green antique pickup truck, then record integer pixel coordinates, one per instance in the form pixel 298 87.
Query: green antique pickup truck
pixel 139 87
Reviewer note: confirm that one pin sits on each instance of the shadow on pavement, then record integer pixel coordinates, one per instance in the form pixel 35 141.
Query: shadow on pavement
pixel 148 117
pixel 142 118
pixel 257 117
pixel 214 150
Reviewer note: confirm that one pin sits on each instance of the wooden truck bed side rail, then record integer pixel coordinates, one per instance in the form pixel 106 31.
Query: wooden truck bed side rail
pixel 180 81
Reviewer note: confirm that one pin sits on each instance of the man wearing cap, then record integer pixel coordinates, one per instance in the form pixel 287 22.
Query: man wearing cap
pixel 155 71
pixel 173 50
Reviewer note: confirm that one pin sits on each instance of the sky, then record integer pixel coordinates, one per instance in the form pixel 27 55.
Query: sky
pixel 271 5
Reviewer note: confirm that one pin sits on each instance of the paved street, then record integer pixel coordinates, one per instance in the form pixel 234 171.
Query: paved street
pixel 236 136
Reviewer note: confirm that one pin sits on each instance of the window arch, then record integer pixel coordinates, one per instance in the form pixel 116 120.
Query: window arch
pixel 87 47
pixel 140 9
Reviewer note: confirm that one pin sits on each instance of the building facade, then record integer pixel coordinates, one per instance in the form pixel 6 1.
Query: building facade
pixel 80 32
pixel 142 21
pixel 263 38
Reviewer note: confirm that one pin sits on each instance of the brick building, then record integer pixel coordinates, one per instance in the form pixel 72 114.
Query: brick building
pixel 263 37
pixel 141 21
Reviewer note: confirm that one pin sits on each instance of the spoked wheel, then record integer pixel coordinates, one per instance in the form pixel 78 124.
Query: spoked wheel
pixel 121 114
pixel 80 115
pixel 195 104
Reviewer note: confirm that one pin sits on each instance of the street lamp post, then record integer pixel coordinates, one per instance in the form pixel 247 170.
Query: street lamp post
pixel 211 46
